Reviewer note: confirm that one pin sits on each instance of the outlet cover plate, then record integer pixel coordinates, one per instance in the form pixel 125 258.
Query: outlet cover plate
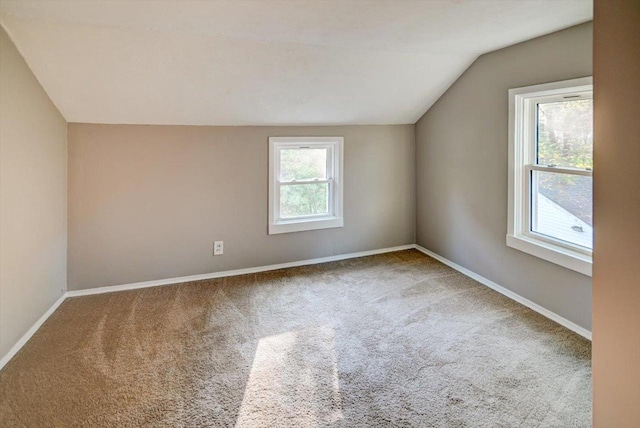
pixel 218 248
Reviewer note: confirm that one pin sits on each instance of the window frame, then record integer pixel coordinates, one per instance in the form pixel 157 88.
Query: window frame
pixel 335 217
pixel 522 162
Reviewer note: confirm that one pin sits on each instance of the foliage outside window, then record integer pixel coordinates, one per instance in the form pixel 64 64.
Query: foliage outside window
pixel 305 185
pixel 565 139
pixel 550 172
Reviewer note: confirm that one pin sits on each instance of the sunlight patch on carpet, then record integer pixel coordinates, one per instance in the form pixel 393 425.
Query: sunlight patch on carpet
pixel 293 381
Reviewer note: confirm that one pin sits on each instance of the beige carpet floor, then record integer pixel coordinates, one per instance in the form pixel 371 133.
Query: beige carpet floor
pixel 389 340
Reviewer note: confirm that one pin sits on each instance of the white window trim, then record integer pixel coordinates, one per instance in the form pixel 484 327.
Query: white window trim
pixel 519 235
pixel 335 217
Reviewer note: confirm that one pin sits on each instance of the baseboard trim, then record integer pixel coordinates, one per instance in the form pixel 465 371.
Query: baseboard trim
pixel 110 289
pixel 25 338
pixel 508 293
pixel 222 274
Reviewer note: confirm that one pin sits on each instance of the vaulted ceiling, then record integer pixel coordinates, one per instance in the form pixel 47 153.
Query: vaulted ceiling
pixel 262 62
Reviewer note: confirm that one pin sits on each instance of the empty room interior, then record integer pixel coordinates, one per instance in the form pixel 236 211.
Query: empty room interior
pixel 308 213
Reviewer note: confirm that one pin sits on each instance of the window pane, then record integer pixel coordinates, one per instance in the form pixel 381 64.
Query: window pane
pixel 565 133
pixel 303 164
pixel 562 207
pixel 304 199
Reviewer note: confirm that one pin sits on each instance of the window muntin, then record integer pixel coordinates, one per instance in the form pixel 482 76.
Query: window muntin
pixel 305 187
pixel 551 155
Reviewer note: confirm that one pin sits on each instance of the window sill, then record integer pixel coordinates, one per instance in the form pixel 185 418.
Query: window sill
pixel 305 224
pixel 564 257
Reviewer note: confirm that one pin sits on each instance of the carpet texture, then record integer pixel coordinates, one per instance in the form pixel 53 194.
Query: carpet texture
pixel 397 339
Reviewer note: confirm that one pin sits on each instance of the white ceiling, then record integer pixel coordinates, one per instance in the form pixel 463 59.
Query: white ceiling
pixel 265 62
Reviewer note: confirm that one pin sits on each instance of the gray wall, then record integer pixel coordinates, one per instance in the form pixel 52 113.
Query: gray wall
pixel 616 268
pixel 461 169
pixel 147 202
pixel 33 198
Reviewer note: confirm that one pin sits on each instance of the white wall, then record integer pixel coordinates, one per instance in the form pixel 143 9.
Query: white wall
pixel 33 198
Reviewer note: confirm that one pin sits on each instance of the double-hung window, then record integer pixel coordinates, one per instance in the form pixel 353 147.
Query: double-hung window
pixel 305 183
pixel 550 172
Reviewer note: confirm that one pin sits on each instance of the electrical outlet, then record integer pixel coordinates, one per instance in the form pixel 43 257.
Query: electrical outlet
pixel 218 248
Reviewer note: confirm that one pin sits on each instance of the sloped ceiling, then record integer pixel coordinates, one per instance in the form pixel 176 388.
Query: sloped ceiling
pixel 265 62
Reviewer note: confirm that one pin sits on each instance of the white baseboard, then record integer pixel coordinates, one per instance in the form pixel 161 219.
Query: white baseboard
pixel 190 278
pixel 25 338
pixel 110 289
pixel 510 294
